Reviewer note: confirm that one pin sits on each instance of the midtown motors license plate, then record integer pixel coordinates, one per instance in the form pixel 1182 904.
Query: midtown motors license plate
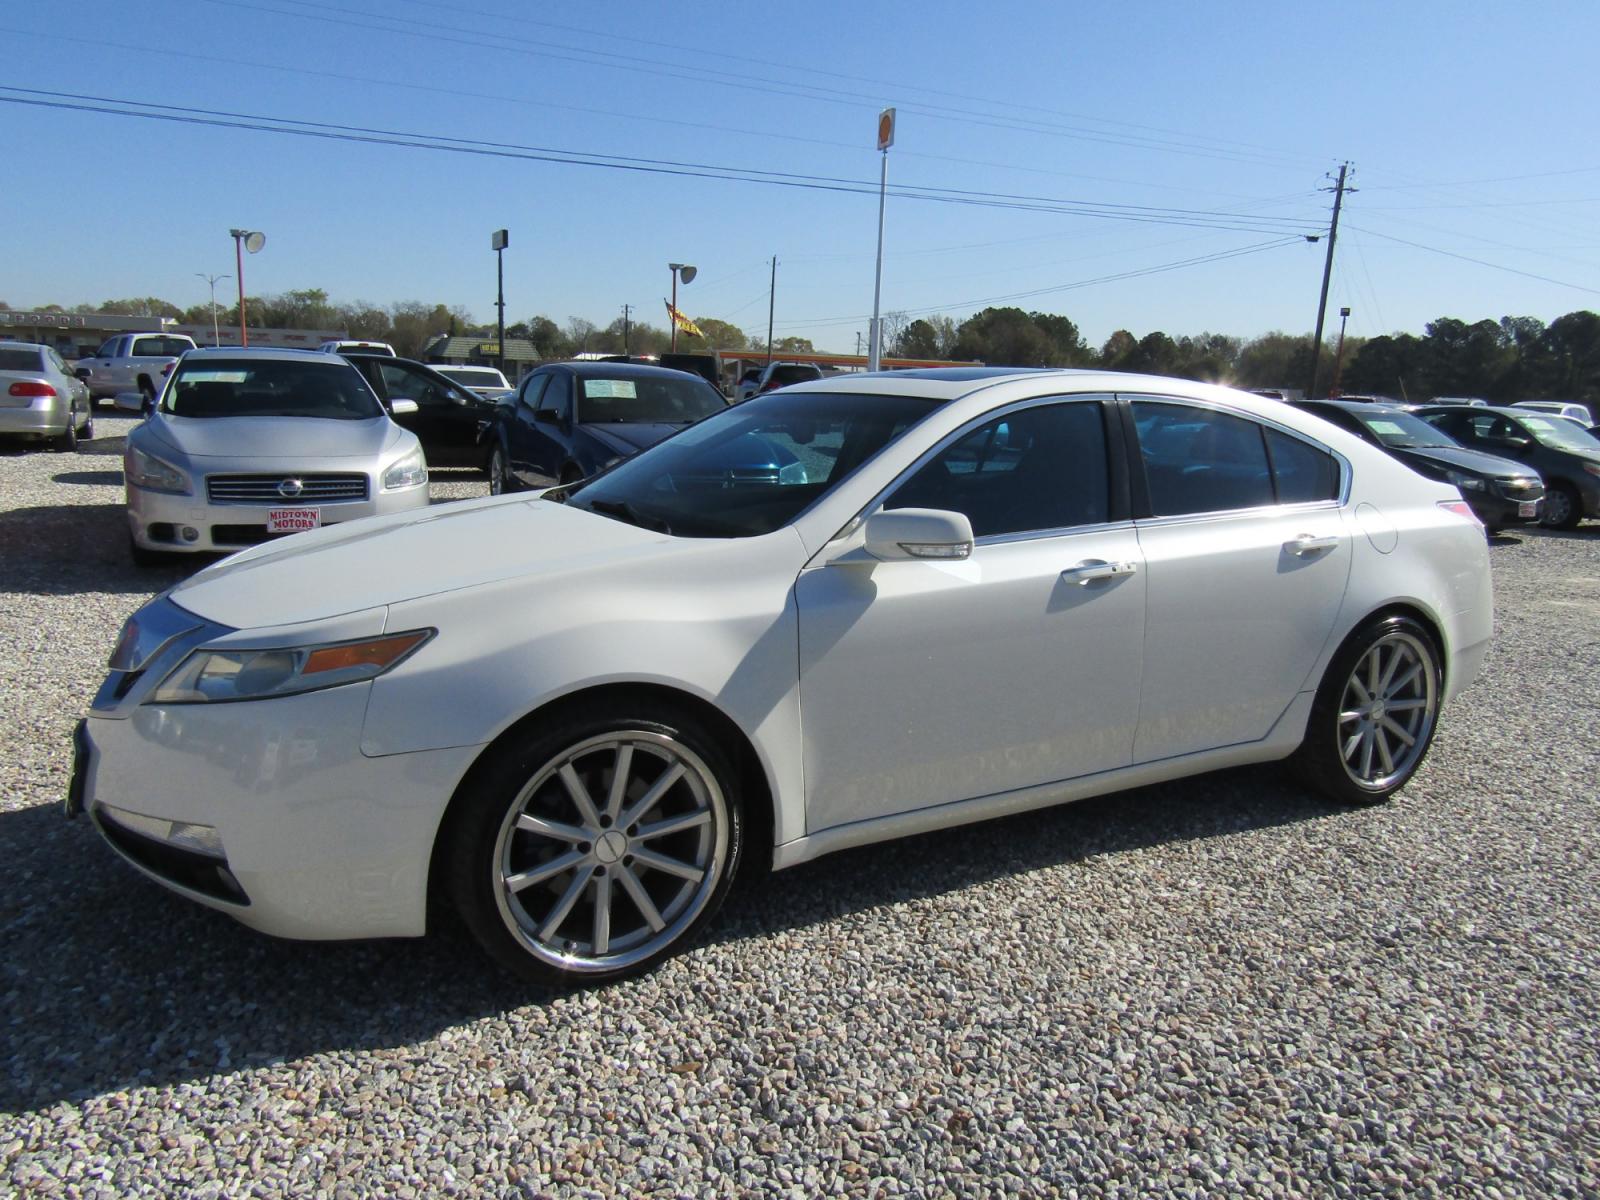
pixel 1528 508
pixel 293 520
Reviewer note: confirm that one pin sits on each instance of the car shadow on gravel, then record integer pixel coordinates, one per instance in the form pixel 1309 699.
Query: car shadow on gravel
pixel 74 549
pixel 111 983
pixel 90 478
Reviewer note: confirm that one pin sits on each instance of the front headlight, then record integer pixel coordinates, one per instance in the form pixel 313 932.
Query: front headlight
pixel 152 474
pixel 407 472
pixel 213 676
pixel 1466 483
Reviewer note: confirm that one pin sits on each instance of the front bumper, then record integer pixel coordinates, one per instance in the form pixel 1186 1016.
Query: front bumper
pixel 1496 511
pixel 313 839
pixel 157 520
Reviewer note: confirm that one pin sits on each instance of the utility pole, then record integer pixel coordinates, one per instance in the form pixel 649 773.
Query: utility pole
pixel 772 300
pixel 858 343
pixel 627 311
pixel 1339 190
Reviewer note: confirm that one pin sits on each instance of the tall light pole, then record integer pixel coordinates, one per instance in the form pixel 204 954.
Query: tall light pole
pixel 498 242
pixel 688 274
pixel 1338 355
pixel 252 241
pixel 875 334
pixel 772 300
pixel 216 336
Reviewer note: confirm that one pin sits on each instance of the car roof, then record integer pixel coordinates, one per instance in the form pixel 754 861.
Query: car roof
pixel 9 345
pixel 1355 406
pixel 260 354
pixel 949 383
pixel 623 370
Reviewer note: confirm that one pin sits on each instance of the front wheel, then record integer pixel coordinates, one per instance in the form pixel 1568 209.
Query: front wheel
pixel 1563 507
pixel 597 848
pixel 497 472
pixel 1374 713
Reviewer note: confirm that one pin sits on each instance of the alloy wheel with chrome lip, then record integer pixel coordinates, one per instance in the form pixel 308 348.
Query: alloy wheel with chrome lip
pixel 1387 713
pixel 497 472
pixel 595 852
pixel 1374 714
pixel 1563 507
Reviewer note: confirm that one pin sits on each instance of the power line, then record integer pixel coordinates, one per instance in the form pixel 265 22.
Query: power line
pixel 1479 261
pixel 500 42
pixel 185 114
pixel 1161 268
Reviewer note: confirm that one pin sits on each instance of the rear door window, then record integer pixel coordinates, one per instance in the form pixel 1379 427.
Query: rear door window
pixel 1301 473
pixel 1198 460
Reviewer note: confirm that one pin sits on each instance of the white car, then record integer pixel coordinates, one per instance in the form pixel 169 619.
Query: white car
pixel 41 398
pixel 965 593
pixel 248 445
pixel 356 346
pixel 1571 410
pixel 488 382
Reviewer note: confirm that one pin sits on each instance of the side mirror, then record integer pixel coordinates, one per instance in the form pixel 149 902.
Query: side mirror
pixel 911 533
pixel 83 373
pixel 547 416
pixel 129 401
pixel 401 407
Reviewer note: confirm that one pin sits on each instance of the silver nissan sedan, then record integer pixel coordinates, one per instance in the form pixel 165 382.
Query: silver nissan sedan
pixel 249 445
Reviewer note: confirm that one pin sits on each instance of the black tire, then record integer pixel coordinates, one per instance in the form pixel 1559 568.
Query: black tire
pixel 1563 507
pixel 500 480
pixel 1354 750
pixel 67 440
pixel 517 815
pixel 86 434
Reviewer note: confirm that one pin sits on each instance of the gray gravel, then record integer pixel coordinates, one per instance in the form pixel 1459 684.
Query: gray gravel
pixel 1218 987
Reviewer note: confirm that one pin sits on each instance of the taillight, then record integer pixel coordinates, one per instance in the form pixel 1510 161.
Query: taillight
pixel 29 388
pixel 1461 509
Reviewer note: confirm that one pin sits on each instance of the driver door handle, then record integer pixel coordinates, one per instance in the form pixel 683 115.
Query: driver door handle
pixel 1306 544
pixel 1086 573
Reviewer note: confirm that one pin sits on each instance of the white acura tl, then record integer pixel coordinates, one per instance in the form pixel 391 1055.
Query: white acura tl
pixel 844 612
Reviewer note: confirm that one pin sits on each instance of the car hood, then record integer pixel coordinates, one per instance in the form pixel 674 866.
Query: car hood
pixel 1461 459
pixel 630 437
pixel 273 438
pixel 359 565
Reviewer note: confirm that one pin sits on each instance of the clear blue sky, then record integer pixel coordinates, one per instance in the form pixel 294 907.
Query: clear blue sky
pixel 1469 127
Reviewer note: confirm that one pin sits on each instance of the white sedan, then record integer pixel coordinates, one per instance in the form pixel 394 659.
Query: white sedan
pixel 844 612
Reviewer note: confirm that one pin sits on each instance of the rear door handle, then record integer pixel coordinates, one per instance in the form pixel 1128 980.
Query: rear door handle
pixel 1305 545
pixel 1086 573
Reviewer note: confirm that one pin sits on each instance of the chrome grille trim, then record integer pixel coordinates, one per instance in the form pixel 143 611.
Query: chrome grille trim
pixel 315 488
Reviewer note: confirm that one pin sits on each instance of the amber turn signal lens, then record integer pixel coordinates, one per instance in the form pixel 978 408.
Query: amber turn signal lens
pixel 379 652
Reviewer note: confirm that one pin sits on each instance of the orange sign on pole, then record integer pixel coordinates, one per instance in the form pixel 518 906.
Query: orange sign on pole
pixel 886 129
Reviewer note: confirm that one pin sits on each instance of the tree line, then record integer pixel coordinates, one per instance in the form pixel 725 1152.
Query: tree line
pixel 1514 358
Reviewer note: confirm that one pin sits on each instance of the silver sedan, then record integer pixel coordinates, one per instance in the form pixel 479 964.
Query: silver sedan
pixel 249 445
pixel 41 398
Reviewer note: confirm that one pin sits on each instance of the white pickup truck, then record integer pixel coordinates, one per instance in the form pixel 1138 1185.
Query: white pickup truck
pixel 132 362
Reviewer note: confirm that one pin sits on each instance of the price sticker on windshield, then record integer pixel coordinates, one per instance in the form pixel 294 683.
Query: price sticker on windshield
pixel 610 389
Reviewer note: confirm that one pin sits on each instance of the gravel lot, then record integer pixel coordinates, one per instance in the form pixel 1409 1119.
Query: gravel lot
pixel 1218 987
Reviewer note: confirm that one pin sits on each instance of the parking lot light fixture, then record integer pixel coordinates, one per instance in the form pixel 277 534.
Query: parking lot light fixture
pixel 251 240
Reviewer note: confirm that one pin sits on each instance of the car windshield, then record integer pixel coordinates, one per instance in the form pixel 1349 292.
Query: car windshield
pixel 1560 433
pixel 646 399
pixel 750 469
pixel 12 359
pixel 1403 431
pixel 247 387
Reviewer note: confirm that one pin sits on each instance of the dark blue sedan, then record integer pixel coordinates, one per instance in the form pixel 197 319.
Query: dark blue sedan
pixel 566 421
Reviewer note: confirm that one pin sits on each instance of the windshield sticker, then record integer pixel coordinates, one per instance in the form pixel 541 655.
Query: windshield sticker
pixel 610 389
pixel 1386 429
pixel 202 375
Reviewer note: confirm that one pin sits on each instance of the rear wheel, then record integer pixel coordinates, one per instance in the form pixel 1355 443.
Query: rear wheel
pixel 1374 714
pixel 497 472
pixel 598 847
pixel 87 432
pixel 1563 507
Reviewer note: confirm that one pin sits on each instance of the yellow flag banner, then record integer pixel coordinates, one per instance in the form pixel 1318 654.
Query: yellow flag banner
pixel 681 321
